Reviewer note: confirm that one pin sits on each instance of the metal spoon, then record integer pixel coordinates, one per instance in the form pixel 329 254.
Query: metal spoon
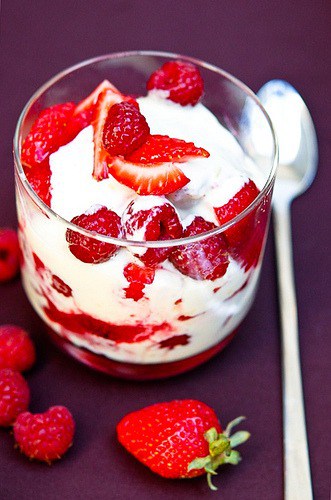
pixel 298 163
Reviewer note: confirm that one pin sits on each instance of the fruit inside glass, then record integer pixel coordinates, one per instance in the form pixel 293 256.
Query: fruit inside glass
pixel 168 287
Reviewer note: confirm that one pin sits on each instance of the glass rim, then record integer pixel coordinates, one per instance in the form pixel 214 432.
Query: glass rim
pixel 123 242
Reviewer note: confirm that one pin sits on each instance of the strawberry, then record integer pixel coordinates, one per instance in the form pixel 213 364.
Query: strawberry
pixel 245 238
pixel 107 98
pixel 181 79
pixel 206 259
pixel 47 134
pixel 84 111
pixel 162 148
pixel 125 129
pixel 152 168
pixel 180 439
pixel 39 177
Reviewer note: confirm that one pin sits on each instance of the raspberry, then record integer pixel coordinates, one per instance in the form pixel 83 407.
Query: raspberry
pixel 17 350
pixel 204 260
pixel 86 249
pixel 45 436
pixel 14 396
pixel 160 222
pixel 125 129
pixel 181 79
pixel 9 254
pixel 138 277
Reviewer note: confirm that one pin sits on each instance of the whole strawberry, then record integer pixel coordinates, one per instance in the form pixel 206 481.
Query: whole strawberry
pixel 180 439
pixel 45 436
pixel 16 348
pixel 14 396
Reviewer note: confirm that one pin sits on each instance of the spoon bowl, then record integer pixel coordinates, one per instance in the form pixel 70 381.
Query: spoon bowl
pixel 297 168
pixel 298 151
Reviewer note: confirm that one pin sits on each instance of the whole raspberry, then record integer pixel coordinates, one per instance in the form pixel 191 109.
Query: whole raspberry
pixel 203 260
pixel 14 396
pixel 125 129
pixel 16 348
pixel 181 79
pixel 86 249
pixel 9 254
pixel 45 436
pixel 159 222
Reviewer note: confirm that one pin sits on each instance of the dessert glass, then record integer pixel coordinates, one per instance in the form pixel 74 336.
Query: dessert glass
pixel 183 322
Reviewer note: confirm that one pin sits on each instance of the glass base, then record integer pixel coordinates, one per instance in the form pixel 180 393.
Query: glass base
pixel 135 371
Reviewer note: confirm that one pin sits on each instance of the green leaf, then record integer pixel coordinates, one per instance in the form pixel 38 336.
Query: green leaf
pixel 239 438
pixel 234 458
pixel 211 435
pixel 199 463
pixel 232 424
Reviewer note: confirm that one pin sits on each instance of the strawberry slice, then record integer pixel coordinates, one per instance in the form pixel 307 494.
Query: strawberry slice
pixel 145 179
pixel 106 100
pixel 152 168
pixel 84 111
pixel 162 148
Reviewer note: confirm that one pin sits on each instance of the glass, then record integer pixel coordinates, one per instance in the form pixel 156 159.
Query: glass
pixel 184 321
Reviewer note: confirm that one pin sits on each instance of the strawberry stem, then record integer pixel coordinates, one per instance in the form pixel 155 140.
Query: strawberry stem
pixel 220 450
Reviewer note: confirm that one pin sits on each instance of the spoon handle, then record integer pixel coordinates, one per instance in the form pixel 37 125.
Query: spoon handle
pixel 297 479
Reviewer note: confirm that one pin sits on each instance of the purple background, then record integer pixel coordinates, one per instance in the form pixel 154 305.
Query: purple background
pixel 256 41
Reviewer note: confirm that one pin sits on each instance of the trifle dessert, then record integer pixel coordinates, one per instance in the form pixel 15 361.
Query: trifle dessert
pixel 142 211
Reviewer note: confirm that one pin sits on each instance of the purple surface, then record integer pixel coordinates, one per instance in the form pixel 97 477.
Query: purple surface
pixel 256 42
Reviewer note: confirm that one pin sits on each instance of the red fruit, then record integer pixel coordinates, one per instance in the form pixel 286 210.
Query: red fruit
pixel 240 231
pixel 17 350
pixel 160 222
pixel 138 277
pixel 14 396
pixel 181 79
pixel 241 235
pixel 39 177
pixel 179 439
pixel 152 168
pixel 156 179
pixel 84 111
pixel 162 148
pixel 86 249
pixel 107 98
pixel 204 260
pixel 9 254
pixel 45 436
pixel 125 129
pixel 47 134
